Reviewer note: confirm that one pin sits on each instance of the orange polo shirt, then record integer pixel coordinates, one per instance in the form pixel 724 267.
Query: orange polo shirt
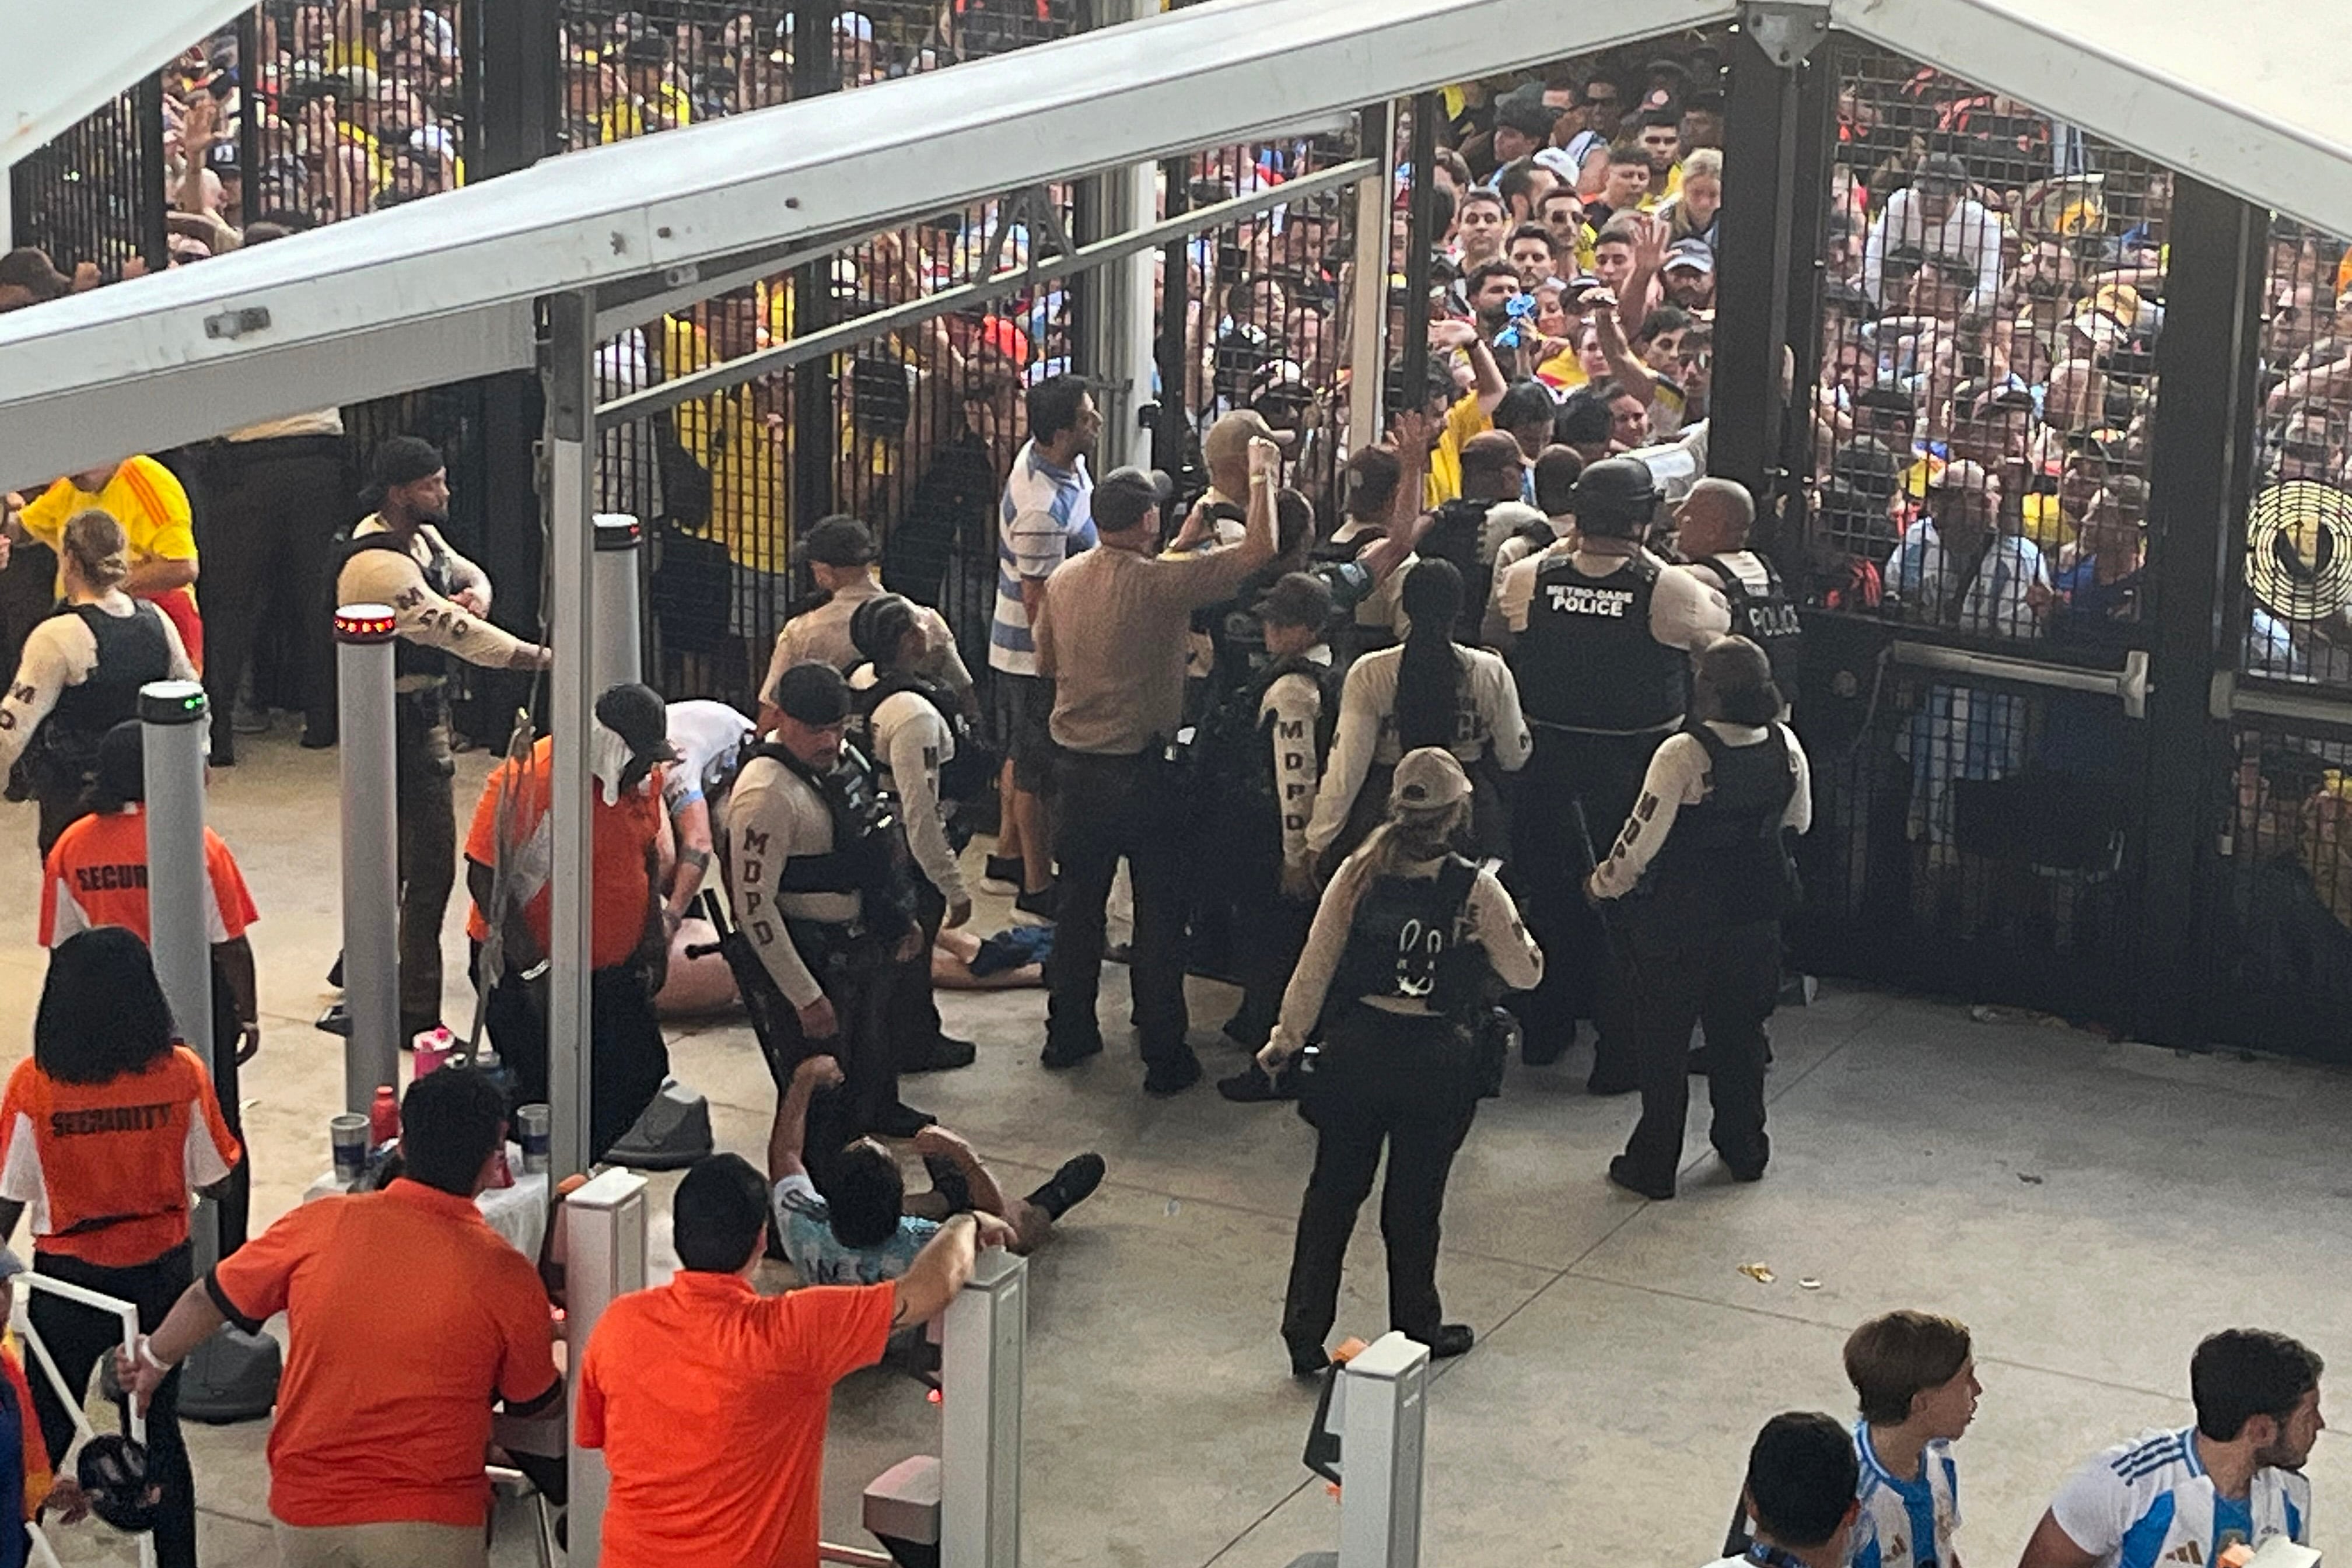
pixel 709 1402
pixel 407 1316
pixel 152 505
pixel 621 837
pixel 105 1169
pixel 97 876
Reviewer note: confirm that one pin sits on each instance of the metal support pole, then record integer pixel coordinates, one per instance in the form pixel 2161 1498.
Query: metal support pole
pixel 985 1335
pixel 2200 475
pixel 603 1259
pixel 1368 299
pixel 569 372
pixel 1174 346
pixel 1755 262
pixel 232 1375
pixel 1117 321
pixel 616 567
pixel 1420 239
pixel 149 203
pixel 364 637
pixel 1380 1454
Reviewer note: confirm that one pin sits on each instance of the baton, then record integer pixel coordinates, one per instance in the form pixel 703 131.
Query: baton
pixel 1620 952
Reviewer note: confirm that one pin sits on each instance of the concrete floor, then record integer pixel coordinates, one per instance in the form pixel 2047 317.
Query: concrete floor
pixel 2090 1209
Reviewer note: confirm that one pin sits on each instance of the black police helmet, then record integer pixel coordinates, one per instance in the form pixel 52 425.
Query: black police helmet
pixel 112 1470
pixel 1615 496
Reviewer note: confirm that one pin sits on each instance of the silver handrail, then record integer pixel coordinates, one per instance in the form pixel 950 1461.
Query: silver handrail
pixel 2128 685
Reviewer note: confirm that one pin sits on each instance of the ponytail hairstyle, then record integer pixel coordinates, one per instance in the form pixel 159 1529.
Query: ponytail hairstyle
pixel 100 551
pixel 1429 667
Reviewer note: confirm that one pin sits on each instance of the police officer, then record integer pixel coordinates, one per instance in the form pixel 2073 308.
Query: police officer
pixel 1428 690
pixel 1702 866
pixel 81 669
pixel 818 875
pixel 396 556
pixel 912 727
pixel 1598 635
pixel 1404 946
pixel 1711 528
pixel 1262 789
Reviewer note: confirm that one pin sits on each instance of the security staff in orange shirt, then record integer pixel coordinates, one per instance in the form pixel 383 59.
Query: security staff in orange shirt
pixel 102 1132
pixel 97 876
pixel 709 1400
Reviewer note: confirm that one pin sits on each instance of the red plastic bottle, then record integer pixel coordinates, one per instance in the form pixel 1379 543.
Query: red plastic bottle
pixel 384 1117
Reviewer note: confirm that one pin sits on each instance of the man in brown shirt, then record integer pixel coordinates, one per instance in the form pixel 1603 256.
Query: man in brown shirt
pixel 1111 633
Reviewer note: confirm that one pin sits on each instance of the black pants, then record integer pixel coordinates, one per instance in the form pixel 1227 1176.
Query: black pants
pixel 276 505
pixel 914 1022
pixel 1269 933
pixel 626 1057
pixel 1110 808
pixel 428 851
pixel 1386 1079
pixel 79 1337
pixel 1547 870
pixel 235 1202
pixel 1726 977
pixel 858 979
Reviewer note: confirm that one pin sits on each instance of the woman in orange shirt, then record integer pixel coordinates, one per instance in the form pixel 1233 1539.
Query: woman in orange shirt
pixel 102 1134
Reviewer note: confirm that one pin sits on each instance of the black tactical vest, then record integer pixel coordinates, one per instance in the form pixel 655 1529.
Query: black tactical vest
pixel 1763 613
pixel 1405 943
pixel 1726 859
pixel 408 658
pixel 869 857
pixel 133 651
pixel 1587 661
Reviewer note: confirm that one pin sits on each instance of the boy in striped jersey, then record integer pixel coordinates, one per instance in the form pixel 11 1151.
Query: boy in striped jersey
pixel 2184 1498
pixel 1918 1384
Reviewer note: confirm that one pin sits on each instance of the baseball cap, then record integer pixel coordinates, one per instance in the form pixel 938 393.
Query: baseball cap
pixel 1125 495
pixel 1228 439
pixel 638 715
pixel 403 460
pixel 1427 779
pixel 1297 599
pixel 836 540
pixel 854 26
pixel 1006 339
pixel 813 692
pixel 1694 254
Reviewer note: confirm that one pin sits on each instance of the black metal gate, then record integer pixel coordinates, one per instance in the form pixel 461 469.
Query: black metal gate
pixel 95 196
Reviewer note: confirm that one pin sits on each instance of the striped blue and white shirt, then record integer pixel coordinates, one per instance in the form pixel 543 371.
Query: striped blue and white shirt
pixel 1906 1522
pixel 2149 1502
pixel 1046 516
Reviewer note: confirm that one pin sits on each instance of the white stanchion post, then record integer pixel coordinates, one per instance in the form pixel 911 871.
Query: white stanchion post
pixel 603 1259
pixel 1380 1454
pixel 363 639
pixel 984 1341
pixel 614 567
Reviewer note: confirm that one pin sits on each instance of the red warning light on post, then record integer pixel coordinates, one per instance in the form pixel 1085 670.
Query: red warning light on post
pixel 365 624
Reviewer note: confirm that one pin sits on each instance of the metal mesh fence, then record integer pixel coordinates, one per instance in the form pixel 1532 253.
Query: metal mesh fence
pixel 1993 291
pixel 93 198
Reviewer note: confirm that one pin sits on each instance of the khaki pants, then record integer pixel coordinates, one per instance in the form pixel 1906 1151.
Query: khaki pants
pixel 402 1545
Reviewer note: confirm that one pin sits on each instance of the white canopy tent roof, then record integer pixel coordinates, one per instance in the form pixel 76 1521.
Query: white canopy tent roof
pixel 442 290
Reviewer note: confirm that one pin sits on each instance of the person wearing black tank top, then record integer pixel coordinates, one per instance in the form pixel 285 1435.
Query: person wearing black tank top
pixel 80 673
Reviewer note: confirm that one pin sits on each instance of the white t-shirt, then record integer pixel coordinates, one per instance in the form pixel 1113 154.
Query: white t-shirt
pixel 707 737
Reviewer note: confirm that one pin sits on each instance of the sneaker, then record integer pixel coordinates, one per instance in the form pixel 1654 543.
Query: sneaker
pixel 1070 1053
pixel 1174 1076
pixel 1745 1167
pixel 941 1055
pixel 1251 1086
pixel 1037 909
pixel 317 740
pixel 1450 1339
pixel 1622 1171
pixel 336 1020
pixel 901 1120
pixel 1001 873
pixel 1071 1185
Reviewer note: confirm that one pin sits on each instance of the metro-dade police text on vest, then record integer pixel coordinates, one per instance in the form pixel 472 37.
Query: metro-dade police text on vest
pixel 1578 599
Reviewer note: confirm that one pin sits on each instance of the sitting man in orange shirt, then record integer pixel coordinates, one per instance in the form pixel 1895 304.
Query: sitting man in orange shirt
pixel 97 876
pixel 407 1316
pixel 507 869
pixel 709 1400
pixel 150 504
